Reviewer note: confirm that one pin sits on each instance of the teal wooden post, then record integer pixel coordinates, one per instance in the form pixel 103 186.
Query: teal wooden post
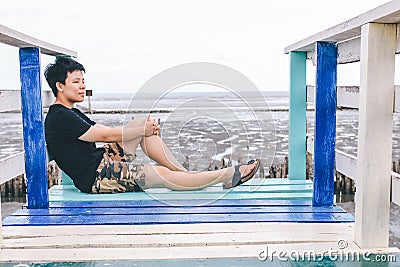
pixel 297 116
pixel 65 179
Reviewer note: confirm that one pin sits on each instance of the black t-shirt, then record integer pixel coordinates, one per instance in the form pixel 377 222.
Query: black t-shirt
pixel 77 158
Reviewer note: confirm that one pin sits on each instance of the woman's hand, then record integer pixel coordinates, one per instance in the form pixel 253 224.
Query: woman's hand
pixel 151 127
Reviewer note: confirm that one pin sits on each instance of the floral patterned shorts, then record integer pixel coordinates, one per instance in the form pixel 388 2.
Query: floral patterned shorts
pixel 117 173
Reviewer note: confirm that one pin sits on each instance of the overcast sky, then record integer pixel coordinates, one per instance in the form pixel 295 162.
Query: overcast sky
pixel 122 44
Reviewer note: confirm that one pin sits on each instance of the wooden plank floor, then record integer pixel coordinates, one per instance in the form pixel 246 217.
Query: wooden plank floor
pixel 125 213
pixel 184 225
pixel 249 203
pixel 254 189
pixel 188 241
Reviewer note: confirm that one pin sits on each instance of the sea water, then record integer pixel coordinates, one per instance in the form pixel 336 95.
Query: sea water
pixel 199 122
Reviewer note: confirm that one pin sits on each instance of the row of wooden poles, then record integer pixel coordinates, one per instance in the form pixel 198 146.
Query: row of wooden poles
pixel 17 187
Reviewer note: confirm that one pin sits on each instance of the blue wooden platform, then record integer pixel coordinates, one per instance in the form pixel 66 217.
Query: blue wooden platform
pixel 156 212
pixel 270 200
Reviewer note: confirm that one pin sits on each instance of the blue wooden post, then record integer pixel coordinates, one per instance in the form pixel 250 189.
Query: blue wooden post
pixel 297 116
pixel 33 128
pixel 325 124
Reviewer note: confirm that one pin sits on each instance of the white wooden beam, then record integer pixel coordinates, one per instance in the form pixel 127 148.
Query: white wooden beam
pixel 47 98
pixel 11 167
pixel 387 13
pixel 344 163
pixel 396 98
pixel 14 38
pixel 398 39
pixel 347 96
pixel 10 100
pixel 396 188
pixel 375 135
pixel 348 51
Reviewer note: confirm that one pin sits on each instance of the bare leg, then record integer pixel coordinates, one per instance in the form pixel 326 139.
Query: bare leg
pixel 158 151
pixel 157 176
pixel 154 147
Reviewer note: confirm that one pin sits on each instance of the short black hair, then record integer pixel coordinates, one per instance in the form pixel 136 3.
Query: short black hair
pixel 58 71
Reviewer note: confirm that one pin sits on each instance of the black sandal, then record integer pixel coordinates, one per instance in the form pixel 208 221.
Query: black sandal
pixel 237 178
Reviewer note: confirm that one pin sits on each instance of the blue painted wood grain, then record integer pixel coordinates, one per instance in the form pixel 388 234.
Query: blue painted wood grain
pixel 325 124
pixel 176 219
pixel 175 210
pixel 297 116
pixel 33 128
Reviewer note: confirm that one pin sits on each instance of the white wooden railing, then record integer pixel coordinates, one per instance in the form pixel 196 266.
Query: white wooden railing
pixel 346 164
pixel 10 100
pixel 373 39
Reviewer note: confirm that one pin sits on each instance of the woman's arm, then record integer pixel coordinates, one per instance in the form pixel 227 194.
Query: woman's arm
pixel 101 133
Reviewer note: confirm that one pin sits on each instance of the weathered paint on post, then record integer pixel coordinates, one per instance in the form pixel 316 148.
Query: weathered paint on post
pixel 297 116
pixel 378 44
pixel 325 124
pixel 33 128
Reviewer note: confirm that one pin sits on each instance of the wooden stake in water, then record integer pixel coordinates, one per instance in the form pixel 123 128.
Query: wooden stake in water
pixel 89 93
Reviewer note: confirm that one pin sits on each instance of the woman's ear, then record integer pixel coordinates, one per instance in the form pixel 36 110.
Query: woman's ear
pixel 59 86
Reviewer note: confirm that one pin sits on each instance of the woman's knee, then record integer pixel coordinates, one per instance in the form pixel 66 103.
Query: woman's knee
pixel 136 122
pixel 155 175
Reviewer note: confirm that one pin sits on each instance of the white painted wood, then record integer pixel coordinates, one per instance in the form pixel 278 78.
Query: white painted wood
pixel 310 92
pixel 161 253
pixel 375 135
pixel 10 100
pixel 47 98
pixel 11 167
pixel 346 164
pixel 398 39
pixel 347 96
pixel 311 56
pixel 166 240
pixel 15 232
pixel 396 188
pixel 310 143
pixel 188 241
pixel 14 38
pixel 396 98
pixel 387 13
pixel 349 51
